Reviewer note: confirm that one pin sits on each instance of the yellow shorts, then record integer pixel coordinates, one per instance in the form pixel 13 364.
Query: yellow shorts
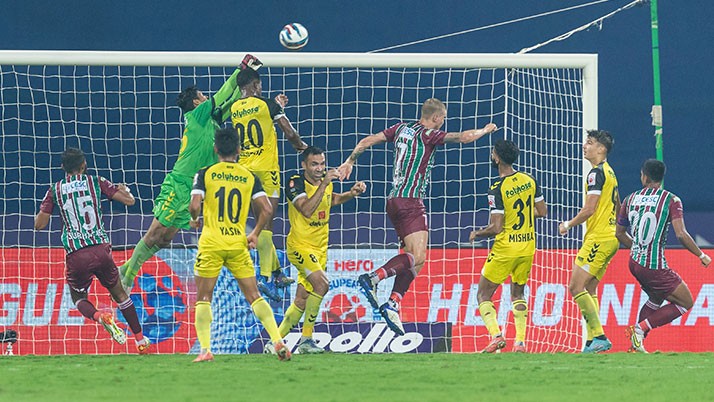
pixel 270 180
pixel 498 267
pixel 595 254
pixel 209 263
pixel 307 261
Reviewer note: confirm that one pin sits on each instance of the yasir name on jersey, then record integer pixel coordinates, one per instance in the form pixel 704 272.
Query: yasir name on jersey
pixel 74 187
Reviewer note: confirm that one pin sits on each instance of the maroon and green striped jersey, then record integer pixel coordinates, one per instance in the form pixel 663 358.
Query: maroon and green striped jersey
pixel 78 198
pixel 648 213
pixel 414 147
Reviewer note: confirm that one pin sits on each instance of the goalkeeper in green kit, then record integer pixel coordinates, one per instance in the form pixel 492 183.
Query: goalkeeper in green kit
pixel 202 117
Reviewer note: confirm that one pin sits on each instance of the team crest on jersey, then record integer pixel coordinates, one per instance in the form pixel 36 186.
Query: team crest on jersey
pixel 492 201
pixel 407 133
pixel 592 178
pixel 321 215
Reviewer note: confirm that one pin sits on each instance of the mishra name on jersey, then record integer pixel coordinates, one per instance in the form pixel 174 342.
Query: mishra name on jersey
pixel 521 237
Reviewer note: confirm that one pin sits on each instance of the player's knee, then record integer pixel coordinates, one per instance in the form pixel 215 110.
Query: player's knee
pixel 321 286
pixel 575 288
pixel 686 303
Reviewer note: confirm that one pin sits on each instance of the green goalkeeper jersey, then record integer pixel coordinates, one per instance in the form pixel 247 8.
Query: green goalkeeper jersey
pixel 200 126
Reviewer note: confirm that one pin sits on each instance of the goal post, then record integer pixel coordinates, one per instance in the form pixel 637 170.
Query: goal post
pixel 119 108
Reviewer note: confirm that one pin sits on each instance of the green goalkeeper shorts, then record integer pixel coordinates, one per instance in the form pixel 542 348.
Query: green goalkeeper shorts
pixel 171 206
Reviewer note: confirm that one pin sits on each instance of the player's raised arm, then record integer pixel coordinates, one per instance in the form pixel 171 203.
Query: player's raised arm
pixel 43 216
pixel 230 92
pixel 124 195
pixel 469 136
pixel 346 168
pixel 356 190
pixel 291 134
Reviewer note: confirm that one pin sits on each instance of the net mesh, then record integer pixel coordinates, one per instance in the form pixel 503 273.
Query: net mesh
pixel 125 120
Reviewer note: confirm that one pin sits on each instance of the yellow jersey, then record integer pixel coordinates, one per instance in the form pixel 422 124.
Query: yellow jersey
pixel 254 119
pixel 227 190
pixel 601 180
pixel 312 232
pixel 515 196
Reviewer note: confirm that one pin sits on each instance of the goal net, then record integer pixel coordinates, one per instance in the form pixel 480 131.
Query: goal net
pixel 119 108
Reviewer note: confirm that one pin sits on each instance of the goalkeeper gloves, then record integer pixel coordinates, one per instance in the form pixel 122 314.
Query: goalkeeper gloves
pixel 250 61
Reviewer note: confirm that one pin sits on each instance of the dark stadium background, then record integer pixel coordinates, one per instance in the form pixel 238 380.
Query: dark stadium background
pixel 622 43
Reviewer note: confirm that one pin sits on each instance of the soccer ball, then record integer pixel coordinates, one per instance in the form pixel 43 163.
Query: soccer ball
pixel 293 36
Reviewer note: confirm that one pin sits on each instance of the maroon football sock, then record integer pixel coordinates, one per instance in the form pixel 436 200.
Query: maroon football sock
pixel 647 309
pixel 664 316
pixel 87 309
pixel 129 312
pixel 402 282
pixel 397 264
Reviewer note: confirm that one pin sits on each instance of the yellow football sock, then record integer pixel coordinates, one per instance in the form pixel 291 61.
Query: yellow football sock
pixel 267 255
pixel 203 319
pixel 290 320
pixel 262 310
pixel 312 309
pixel 590 312
pixel 520 318
pixel 597 308
pixel 490 317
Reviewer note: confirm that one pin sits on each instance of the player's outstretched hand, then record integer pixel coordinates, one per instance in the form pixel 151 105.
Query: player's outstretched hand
pixel 281 99
pixel 195 224
pixel 345 170
pixel 358 188
pixel 472 236
pixel 250 61
pixel 489 128
pixel 705 259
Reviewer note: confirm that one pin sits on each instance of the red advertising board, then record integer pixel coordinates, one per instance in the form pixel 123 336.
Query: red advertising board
pixel 445 290
pixel 35 302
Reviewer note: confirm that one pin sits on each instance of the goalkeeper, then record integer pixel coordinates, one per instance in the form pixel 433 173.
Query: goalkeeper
pixel 202 116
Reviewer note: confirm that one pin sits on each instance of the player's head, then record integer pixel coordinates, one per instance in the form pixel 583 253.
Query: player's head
pixel 248 81
pixel 227 143
pixel 598 144
pixel 313 162
pixel 433 113
pixel 189 98
pixel 652 172
pixel 505 152
pixel 73 161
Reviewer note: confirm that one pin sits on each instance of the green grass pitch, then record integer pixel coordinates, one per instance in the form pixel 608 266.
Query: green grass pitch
pixel 342 377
